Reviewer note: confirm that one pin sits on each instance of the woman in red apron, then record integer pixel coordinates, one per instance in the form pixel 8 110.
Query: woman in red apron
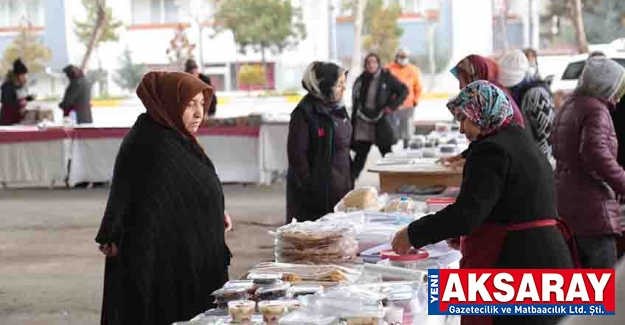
pixel 505 213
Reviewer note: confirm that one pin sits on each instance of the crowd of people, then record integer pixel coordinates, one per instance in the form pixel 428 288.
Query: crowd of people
pixel 76 102
pixel 166 249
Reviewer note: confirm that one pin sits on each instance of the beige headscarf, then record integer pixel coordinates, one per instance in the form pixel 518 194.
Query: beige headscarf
pixel 166 95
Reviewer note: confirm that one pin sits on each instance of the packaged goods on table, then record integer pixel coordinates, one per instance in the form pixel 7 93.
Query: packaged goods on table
pixel 409 297
pixel 225 295
pixel 403 205
pixel 303 290
pixel 272 292
pixel 371 228
pixel 352 304
pixel 308 274
pixel 362 198
pixel 316 243
pixel 302 317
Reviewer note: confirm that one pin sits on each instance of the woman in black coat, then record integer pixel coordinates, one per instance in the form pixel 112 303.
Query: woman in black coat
pixel 163 230
pixel 505 211
pixel 376 94
pixel 77 95
pixel 318 145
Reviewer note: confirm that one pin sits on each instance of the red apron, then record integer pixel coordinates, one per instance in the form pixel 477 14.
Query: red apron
pixel 480 250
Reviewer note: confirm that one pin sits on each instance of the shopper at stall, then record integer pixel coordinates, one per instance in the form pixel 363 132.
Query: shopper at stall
pixel 531 93
pixel 14 94
pixel 192 68
pixel 410 75
pixel 588 176
pixel 318 146
pixel 163 230
pixel 77 95
pixel 468 70
pixel 376 95
pixel 497 228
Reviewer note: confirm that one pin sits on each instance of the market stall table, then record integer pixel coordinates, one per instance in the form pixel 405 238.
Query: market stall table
pixel 393 177
pixel 29 155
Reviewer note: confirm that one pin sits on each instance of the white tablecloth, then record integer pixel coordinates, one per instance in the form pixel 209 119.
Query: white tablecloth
pixel 273 157
pixel 33 157
pixel 242 155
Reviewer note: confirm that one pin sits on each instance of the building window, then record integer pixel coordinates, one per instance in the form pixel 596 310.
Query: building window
pixel 154 12
pixel 16 13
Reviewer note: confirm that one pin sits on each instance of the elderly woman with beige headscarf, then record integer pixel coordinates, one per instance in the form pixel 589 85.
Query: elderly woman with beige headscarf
pixel 163 230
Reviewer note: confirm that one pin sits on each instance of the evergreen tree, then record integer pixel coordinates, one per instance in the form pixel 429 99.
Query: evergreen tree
pixel 129 74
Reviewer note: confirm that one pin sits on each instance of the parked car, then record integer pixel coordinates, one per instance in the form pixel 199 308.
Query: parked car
pixel 565 83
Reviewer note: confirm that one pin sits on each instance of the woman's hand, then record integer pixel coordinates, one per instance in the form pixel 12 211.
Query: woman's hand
pixel 228 222
pixel 109 250
pixel 401 242
pixel 453 162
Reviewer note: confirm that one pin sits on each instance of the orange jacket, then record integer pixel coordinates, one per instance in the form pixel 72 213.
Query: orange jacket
pixel 410 75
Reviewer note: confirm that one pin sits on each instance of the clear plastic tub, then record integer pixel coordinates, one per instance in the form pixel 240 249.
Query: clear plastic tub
pixel 224 295
pixel 272 310
pixel 265 278
pixel 241 311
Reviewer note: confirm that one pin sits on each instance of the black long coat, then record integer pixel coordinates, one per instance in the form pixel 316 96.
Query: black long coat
pixel 318 150
pixel 166 214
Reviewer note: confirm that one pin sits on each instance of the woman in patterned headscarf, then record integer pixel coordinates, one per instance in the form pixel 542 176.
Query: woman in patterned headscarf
pixel 505 211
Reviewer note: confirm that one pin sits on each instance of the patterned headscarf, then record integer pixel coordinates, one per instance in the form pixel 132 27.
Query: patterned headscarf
pixel 483 104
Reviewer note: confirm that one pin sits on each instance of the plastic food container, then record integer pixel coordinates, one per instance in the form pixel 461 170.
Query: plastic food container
pixel 241 311
pixel 273 292
pixel 409 261
pixel 265 278
pixel 272 310
pixel 437 204
pixel 303 290
pixel 225 295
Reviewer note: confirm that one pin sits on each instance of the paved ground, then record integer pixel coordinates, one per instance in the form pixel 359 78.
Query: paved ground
pixel 51 271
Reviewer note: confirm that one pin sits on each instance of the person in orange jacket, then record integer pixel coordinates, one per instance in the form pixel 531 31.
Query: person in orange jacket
pixel 410 75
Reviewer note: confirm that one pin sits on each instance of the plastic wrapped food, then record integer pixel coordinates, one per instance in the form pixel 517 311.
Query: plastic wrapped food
pixel 298 273
pixel 272 310
pixel 305 317
pixel 241 311
pixel 362 198
pixel 316 243
pixel 225 295
pixel 303 290
pixel 273 292
pixel 404 205
pixel 260 278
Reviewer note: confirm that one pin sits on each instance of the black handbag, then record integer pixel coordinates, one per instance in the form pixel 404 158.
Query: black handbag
pixel 386 134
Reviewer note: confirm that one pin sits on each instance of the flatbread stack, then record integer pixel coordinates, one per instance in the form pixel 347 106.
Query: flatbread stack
pixel 316 243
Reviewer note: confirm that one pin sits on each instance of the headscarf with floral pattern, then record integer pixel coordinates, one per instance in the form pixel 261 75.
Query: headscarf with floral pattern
pixel 484 104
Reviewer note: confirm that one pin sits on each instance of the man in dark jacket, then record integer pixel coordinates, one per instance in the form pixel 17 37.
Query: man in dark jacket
pixel 588 176
pixel 14 94
pixel 376 94
pixel 192 68
pixel 77 95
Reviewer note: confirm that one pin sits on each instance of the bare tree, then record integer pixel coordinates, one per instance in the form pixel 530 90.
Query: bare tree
pixel 359 14
pixel 98 27
pixel 580 31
